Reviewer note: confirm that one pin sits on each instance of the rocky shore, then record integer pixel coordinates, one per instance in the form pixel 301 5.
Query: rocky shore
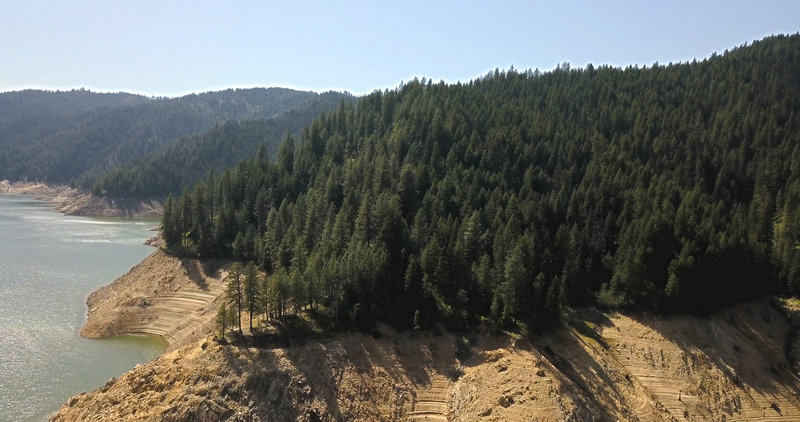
pixel 73 201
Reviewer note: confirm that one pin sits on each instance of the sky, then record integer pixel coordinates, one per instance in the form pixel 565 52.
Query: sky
pixel 170 48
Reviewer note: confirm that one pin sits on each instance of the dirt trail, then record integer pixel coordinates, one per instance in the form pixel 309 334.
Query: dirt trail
pixel 163 295
pixel 431 401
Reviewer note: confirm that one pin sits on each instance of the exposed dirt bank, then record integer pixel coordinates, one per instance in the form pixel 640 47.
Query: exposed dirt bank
pixel 163 295
pixel 72 201
pixel 730 366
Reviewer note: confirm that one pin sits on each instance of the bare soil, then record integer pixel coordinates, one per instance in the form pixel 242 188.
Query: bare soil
pixel 174 298
pixel 71 201
pixel 733 365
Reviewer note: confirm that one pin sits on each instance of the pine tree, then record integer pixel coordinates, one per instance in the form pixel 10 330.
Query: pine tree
pixel 266 294
pixel 222 318
pixel 235 291
pixel 250 291
pixel 169 225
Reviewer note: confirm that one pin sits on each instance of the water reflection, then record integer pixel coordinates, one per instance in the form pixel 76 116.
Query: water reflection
pixel 49 263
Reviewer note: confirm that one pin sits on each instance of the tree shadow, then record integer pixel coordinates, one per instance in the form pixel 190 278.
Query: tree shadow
pixel 260 379
pixel 566 352
pixel 318 365
pixel 200 271
pixel 746 343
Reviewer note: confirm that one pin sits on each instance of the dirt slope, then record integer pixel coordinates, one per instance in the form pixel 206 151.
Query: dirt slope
pixel 734 365
pixel 354 377
pixel 731 366
pixel 163 295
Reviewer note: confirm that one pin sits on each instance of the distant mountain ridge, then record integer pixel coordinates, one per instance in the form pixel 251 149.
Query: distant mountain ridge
pixel 65 137
pixel 180 164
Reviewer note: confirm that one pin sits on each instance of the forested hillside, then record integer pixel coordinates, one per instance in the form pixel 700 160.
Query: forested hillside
pixel 75 136
pixel 23 110
pixel 674 188
pixel 182 163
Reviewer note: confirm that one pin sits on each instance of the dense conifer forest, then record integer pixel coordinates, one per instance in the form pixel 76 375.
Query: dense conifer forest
pixel 182 163
pixel 74 137
pixel 673 188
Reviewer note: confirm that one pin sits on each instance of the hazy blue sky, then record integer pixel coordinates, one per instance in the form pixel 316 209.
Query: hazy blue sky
pixel 175 47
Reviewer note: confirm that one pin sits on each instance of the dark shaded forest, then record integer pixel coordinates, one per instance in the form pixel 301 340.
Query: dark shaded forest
pixel 182 163
pixel 74 137
pixel 673 188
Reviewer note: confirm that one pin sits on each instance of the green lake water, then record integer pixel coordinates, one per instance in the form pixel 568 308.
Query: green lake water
pixel 49 263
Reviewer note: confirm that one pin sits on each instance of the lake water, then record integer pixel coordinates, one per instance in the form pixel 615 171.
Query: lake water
pixel 49 263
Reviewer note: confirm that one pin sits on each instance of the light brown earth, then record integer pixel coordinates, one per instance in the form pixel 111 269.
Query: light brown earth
pixel 162 295
pixel 73 201
pixel 733 365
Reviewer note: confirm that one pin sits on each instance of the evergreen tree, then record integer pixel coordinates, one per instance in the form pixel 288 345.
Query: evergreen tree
pixel 519 194
pixel 235 291
pixel 222 318
pixel 170 229
pixel 250 291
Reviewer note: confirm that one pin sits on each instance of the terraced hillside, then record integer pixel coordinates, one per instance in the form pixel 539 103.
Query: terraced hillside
pixel 163 295
pixel 735 365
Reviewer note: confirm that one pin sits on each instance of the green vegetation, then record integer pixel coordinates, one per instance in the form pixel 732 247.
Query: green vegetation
pixel 673 188
pixel 248 291
pixel 73 137
pixel 182 163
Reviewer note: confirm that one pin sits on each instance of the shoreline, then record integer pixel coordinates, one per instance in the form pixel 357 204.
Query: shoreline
pixel 611 366
pixel 72 201
pixel 173 298
pixel 628 363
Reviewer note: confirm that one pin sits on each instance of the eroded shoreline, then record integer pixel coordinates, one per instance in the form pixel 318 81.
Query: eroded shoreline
pixel 173 298
pixel 71 201
pixel 729 366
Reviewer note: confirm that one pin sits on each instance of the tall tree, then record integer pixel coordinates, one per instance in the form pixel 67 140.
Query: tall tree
pixel 222 318
pixel 250 289
pixel 235 291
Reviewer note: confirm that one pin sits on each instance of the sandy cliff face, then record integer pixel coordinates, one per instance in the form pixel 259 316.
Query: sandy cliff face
pixel 730 366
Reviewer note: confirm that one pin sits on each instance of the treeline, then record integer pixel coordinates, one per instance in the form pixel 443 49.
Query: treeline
pixel 249 292
pixel 673 188
pixel 182 163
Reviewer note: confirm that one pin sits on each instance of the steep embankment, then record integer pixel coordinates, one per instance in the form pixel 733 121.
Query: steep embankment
pixel 163 295
pixel 71 201
pixel 730 366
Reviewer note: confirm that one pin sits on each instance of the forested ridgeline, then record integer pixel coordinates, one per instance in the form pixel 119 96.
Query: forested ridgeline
pixel 182 163
pixel 72 137
pixel 673 188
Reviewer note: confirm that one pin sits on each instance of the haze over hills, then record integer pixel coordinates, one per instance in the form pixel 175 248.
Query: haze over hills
pixel 179 164
pixel 69 137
